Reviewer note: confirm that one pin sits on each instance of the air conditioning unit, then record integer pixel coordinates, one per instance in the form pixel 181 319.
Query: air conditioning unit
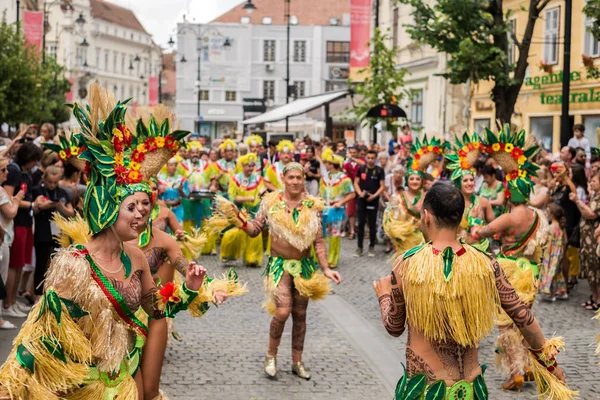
pixel 269 67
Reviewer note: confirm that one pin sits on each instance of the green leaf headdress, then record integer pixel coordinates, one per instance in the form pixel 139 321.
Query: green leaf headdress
pixel 423 153
pixel 68 148
pixel 514 151
pixel 464 154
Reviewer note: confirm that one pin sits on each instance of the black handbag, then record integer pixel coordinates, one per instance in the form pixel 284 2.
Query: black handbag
pixel 575 238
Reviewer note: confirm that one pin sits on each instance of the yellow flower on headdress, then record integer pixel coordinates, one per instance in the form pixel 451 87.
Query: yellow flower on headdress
pixel 117 133
pixel 496 147
pixel 420 152
pixel 62 154
pixel 415 166
pixel 74 150
pixel 119 159
pixel 254 140
pixel 228 145
pixel 522 160
pixel 141 148
pixel 285 146
pixel 522 173
pixel 134 166
pixel 509 147
pixel 160 142
pixel 430 148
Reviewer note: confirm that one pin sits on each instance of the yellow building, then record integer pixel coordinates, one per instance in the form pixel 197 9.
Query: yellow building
pixel 538 108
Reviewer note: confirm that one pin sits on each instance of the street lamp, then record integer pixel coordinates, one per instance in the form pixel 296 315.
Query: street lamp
pixel 79 21
pixel 171 42
pixel 249 7
pixel 137 58
pixel 84 43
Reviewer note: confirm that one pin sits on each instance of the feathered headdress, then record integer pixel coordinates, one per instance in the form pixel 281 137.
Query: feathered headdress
pixel 195 145
pixel 228 145
pixel 285 146
pixel 69 148
pixel 464 154
pixel 254 140
pixel 422 154
pixel 329 156
pixel 513 151
pixel 249 158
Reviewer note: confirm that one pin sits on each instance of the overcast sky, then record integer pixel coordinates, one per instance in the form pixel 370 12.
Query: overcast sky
pixel 160 17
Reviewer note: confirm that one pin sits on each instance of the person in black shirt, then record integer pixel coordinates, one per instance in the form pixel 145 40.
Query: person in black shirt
pixel 369 183
pixel 312 169
pixel 49 197
pixel 19 179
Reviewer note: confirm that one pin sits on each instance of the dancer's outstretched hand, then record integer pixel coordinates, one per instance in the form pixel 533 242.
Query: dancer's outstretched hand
pixel 220 297
pixel 333 275
pixel 383 286
pixel 194 278
pixel 559 373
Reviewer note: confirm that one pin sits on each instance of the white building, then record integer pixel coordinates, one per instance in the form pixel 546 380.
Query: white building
pixel 111 47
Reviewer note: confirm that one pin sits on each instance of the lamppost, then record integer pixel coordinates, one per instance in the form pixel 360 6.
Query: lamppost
pixel 79 21
pixel 200 35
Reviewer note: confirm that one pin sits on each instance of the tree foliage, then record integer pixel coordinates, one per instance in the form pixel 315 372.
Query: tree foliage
pixel 30 91
pixel 592 11
pixel 477 35
pixel 383 82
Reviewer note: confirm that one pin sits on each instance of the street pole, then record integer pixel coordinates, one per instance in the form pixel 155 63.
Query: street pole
pixel 199 85
pixel 287 79
pixel 18 9
pixel 565 122
pixel 44 34
pixel 375 72
pixel 160 72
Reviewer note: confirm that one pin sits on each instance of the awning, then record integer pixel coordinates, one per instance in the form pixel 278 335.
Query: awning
pixel 297 107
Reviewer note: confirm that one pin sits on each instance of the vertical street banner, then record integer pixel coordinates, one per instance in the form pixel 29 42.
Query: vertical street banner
pixel 69 94
pixel 153 91
pixel 33 28
pixel 360 34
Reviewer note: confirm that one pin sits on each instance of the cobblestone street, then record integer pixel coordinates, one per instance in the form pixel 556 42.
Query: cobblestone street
pixel 348 351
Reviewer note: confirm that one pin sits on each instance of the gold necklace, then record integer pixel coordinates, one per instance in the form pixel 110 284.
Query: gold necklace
pixel 109 271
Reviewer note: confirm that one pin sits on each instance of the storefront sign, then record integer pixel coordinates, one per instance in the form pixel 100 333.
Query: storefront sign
pixel 360 34
pixel 589 96
pixel 550 79
pixel 33 28
pixel 337 72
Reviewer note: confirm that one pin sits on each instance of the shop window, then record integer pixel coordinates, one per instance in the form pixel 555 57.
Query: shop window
pixel 551 33
pixel 590 43
pixel 395 26
pixel 269 90
pixel 230 95
pixel 542 128
pixel 269 51
pixel 338 52
pixel 416 108
pixel 481 125
pixel 299 89
pixel 300 51
pixel 592 123
pixel 204 95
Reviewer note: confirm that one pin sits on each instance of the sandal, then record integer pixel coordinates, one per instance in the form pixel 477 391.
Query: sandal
pixel 588 303
pixel 594 307
pixel 351 236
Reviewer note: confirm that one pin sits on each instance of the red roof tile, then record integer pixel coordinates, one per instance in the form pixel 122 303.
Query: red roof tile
pixel 116 14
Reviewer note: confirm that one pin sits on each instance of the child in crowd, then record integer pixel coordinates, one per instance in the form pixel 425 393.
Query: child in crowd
pixel 552 281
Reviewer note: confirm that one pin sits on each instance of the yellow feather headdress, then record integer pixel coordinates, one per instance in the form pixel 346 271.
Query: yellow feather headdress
pixel 329 156
pixel 228 145
pixel 254 140
pixel 285 146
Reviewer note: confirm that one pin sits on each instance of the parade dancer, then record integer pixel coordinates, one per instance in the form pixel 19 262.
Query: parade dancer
pixel 245 190
pixel 337 190
pixel 274 174
pixel 173 186
pixel 292 275
pixel 446 293
pixel 254 144
pixel 196 210
pixel 224 168
pixel 83 339
pixel 524 232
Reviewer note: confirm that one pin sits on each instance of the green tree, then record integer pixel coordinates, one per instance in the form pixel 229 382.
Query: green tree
pixel 384 82
pixel 29 90
pixel 592 11
pixel 476 34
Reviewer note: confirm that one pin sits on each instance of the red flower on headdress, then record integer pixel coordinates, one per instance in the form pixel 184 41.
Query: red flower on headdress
pixel 137 156
pixel 502 145
pixel 68 152
pixel 516 153
pixel 169 142
pixel 127 138
pixel 121 173
pixel 81 149
pixel 151 144
pixel 514 174
pixel 507 193
pixel 118 145
pixel 436 149
pixel 462 153
pixel 417 156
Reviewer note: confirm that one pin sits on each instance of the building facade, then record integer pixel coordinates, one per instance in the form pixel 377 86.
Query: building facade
pixel 434 106
pixel 240 56
pixel 538 108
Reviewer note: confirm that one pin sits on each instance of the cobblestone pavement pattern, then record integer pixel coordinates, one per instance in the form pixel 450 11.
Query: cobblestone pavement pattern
pixel 221 355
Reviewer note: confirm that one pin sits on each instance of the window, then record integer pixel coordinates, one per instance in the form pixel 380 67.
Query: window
pixel 551 35
pixel 106 53
pixel 98 53
pixel 230 95
pixel 331 86
pixel 338 52
pixel 204 95
pixel 481 125
pixel 300 51
pixel 512 26
pixel 267 20
pixel 416 108
pixel 396 22
pixel 51 51
pixel 293 20
pixel 245 20
pixel 80 55
pixel 130 65
pixel 299 88
pixel 590 44
pixel 130 91
pixel 591 123
pixel 542 128
pixel 115 57
pixel 269 51
pixel 123 58
pixel 269 90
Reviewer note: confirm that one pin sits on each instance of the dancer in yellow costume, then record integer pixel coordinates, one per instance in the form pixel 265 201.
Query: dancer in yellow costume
pixel 524 231
pixel 274 174
pixel 196 209
pixel 254 144
pixel 336 189
pixel 245 190
pixel 83 340
pixel 224 168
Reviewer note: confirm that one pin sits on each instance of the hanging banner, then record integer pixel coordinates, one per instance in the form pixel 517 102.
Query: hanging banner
pixel 153 91
pixel 360 34
pixel 33 28
pixel 69 95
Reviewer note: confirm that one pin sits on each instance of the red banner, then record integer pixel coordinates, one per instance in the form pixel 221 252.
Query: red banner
pixel 33 28
pixel 153 91
pixel 360 34
pixel 69 95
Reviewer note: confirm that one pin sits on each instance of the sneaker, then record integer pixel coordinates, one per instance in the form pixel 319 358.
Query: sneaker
pixel 371 252
pixel 7 325
pixel 23 307
pixel 12 311
pixel 358 252
pixel 562 297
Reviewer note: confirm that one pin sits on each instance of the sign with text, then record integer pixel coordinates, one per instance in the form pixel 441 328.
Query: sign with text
pixel 33 28
pixel 360 34
pixel 152 91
